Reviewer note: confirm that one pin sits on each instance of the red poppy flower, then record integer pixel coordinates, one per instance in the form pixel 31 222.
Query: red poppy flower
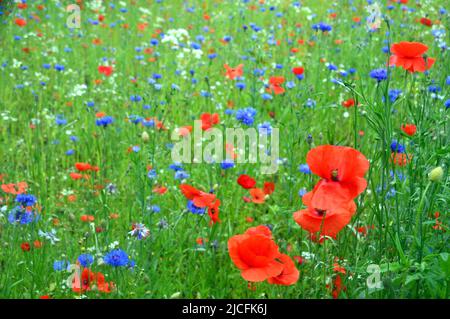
pixel 337 286
pixel 299 259
pixel 106 70
pixel 87 218
pixel 400 159
pixel 275 85
pixel 208 120
pixel 75 176
pixel 255 253
pixel 426 22
pixel 15 189
pixel 348 103
pixel 25 247
pixel 269 188
pixel 328 221
pixel 298 70
pixel 289 275
pixel 83 166
pixel 84 283
pixel 338 268
pixel 342 169
pixel 409 129
pixel 160 190
pixel 102 285
pixel 184 130
pixel 20 22
pixel 410 56
pixel 246 181
pixel 198 197
pixel 233 73
pixel 258 195
pixel 260 230
pixel 213 212
pixel 257 256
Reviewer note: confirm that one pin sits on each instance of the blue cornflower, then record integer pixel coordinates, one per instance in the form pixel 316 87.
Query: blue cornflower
pixel 85 260
pixel 61 265
pixel 332 67
pixel 149 123
pixel 116 258
pixel 135 148
pixel 135 98
pixel 447 104
pixel 104 121
pixel 139 231
pixel 155 208
pixel 227 164
pixel 434 89
pixel 378 74
pixel 59 67
pixel 152 174
pixel 401 177
pixel 19 215
pixel 310 103
pixel 60 120
pixel 181 175
pixel 322 27
pixel 135 119
pixel 304 168
pixel 176 167
pixel 240 85
pixel 302 192
pixel 196 46
pixel 258 72
pixel 397 147
pixel 26 199
pixel 290 84
pixel 70 152
pixel 246 115
pixel 266 96
pixel 265 128
pixel 194 209
pixel 394 94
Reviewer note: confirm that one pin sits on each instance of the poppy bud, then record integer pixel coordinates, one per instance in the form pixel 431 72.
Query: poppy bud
pixel 436 174
pixel 145 137
pixel 25 247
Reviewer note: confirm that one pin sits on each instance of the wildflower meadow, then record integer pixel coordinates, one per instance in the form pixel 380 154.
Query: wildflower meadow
pixel 257 149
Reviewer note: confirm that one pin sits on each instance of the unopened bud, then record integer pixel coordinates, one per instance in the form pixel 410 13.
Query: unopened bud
pixel 145 137
pixel 436 174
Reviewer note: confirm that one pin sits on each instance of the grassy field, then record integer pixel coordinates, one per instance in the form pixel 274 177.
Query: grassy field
pixel 111 91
